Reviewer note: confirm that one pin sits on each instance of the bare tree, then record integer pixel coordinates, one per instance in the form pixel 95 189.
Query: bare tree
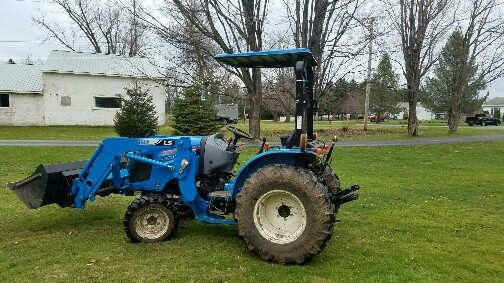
pixel 353 101
pixel 233 26
pixel 483 38
pixel 108 28
pixel 279 93
pixel 421 25
pixel 469 61
pixel 323 26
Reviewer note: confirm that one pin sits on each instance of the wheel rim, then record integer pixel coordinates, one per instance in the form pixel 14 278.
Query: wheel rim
pixel 152 222
pixel 280 216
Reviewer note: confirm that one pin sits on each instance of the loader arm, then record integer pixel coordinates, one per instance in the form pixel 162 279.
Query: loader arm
pixel 105 166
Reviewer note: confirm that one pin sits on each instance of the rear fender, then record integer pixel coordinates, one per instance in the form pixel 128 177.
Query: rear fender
pixel 295 157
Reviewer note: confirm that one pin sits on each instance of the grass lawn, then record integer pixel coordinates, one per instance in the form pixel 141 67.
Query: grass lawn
pixel 426 214
pixel 271 130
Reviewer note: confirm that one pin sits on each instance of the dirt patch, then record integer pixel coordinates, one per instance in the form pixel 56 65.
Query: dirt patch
pixel 344 132
pixel 349 132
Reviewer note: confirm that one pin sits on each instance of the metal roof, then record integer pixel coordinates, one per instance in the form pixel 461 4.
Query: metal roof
pixel 494 101
pixel 267 59
pixel 100 64
pixel 20 78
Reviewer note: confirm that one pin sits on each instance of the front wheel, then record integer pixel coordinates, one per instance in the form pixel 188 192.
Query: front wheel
pixel 284 214
pixel 150 218
pixel 483 123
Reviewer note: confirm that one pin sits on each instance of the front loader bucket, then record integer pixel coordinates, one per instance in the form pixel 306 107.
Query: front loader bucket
pixel 49 184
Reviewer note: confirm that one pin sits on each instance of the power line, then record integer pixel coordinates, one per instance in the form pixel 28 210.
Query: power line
pixel 21 41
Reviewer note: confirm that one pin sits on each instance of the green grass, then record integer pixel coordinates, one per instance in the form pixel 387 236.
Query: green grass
pixel 270 130
pixel 426 214
pixel 383 131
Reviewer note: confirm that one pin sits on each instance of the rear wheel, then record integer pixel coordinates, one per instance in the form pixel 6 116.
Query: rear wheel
pixel 150 218
pixel 332 181
pixel 284 214
pixel 470 123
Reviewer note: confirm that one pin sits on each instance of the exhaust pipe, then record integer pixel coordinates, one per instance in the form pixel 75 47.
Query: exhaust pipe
pixel 49 184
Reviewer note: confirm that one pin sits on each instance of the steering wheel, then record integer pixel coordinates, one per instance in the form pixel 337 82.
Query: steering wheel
pixel 239 133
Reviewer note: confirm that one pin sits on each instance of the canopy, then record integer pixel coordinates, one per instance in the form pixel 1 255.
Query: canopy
pixel 267 59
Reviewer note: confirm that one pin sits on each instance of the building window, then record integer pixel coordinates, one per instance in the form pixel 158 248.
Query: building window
pixel 107 102
pixel 66 101
pixel 4 100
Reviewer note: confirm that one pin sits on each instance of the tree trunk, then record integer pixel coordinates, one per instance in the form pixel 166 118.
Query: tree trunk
pixel 255 99
pixel 453 118
pixel 412 116
pixel 287 118
pixel 275 117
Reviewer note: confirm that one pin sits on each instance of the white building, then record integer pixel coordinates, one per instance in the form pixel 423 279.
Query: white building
pixel 422 112
pixel 494 105
pixel 74 88
pixel 21 99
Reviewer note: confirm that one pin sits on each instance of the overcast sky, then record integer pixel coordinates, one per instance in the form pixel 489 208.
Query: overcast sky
pixel 19 38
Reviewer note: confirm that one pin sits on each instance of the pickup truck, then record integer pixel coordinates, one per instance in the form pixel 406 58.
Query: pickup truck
pixel 482 120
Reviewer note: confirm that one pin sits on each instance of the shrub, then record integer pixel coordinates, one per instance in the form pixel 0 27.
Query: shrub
pixel 497 114
pixel 193 115
pixel 137 116
pixel 405 115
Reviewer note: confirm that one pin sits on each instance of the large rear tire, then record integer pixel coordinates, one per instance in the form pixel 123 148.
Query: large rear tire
pixel 331 180
pixel 284 214
pixel 150 218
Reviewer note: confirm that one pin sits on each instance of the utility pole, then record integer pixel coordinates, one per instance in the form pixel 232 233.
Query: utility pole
pixel 368 85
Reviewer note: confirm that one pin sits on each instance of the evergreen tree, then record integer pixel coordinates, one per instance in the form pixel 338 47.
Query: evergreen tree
pixel 455 87
pixel 341 89
pixel 384 97
pixel 137 116
pixel 328 102
pixel 194 115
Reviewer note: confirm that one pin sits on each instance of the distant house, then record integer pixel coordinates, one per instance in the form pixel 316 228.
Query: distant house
pixel 21 97
pixel 230 110
pixel 74 88
pixel 422 112
pixel 494 105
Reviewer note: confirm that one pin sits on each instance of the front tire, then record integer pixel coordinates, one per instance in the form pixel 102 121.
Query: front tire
pixel 483 123
pixel 284 214
pixel 150 218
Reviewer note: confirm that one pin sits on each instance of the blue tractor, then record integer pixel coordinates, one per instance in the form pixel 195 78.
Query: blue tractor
pixel 283 200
